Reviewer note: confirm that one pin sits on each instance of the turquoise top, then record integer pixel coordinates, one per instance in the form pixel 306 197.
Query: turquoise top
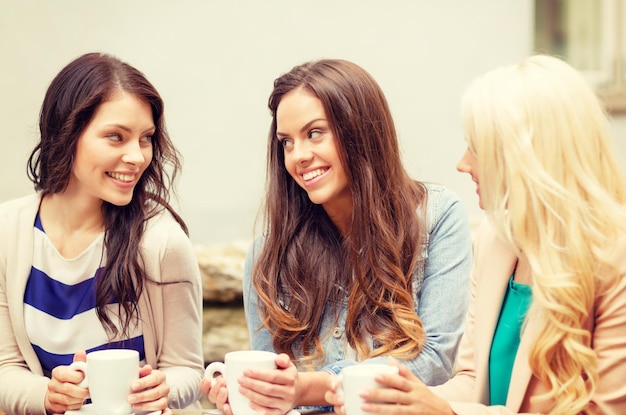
pixel 506 339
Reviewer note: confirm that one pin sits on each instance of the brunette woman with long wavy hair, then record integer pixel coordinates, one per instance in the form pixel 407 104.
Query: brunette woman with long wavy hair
pixel 546 331
pixel 97 258
pixel 358 261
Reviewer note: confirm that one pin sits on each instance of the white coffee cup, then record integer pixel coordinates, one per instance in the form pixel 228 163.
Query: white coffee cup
pixel 109 375
pixel 232 369
pixel 358 378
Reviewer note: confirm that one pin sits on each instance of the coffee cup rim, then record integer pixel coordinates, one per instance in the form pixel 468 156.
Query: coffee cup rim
pixel 110 353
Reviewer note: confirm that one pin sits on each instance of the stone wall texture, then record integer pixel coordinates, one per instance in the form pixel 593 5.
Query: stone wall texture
pixel 224 324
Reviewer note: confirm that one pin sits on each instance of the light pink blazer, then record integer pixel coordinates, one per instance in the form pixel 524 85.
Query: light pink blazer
pixel 468 390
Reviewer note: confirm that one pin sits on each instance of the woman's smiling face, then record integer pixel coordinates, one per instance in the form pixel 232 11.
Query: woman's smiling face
pixel 310 150
pixel 113 150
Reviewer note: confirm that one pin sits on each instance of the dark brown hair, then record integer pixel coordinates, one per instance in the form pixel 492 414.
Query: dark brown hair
pixel 306 262
pixel 68 107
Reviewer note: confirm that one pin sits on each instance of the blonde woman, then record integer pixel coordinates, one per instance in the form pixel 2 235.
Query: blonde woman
pixel 546 329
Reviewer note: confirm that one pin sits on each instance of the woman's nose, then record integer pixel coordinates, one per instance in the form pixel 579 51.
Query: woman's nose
pixel 302 152
pixel 463 164
pixel 133 154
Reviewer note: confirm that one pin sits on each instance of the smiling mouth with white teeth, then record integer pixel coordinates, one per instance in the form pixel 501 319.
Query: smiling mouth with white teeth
pixel 121 177
pixel 313 174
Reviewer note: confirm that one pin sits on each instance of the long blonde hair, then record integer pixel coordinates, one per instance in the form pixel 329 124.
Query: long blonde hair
pixel 552 187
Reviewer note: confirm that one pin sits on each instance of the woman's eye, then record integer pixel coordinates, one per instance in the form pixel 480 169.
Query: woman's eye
pixel 147 139
pixel 286 143
pixel 315 133
pixel 114 137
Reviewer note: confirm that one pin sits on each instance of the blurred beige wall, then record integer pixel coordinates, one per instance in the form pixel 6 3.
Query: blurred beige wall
pixel 214 62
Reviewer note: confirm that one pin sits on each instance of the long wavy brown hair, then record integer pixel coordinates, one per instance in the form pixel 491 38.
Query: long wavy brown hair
pixel 306 263
pixel 69 105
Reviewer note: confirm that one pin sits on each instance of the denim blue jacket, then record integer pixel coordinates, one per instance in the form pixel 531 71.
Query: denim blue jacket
pixel 441 290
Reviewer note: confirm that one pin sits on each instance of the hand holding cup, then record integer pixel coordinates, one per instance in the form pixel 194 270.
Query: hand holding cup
pixel 353 380
pixel 235 363
pixel 109 375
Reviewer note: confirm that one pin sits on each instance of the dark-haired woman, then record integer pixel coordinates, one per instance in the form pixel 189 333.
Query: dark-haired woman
pixel 358 261
pixel 97 258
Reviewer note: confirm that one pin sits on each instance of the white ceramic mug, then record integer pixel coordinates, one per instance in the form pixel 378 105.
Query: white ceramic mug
pixel 232 369
pixel 109 375
pixel 355 379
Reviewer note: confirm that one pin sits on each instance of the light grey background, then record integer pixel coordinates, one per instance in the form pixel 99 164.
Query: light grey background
pixel 214 62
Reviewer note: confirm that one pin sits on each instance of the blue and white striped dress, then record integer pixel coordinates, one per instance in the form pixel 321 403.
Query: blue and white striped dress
pixel 60 301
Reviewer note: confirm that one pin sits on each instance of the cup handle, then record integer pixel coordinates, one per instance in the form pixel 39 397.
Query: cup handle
pixel 81 367
pixel 212 369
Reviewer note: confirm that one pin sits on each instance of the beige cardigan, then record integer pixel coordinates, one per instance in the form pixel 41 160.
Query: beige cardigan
pixel 171 314
pixel 468 390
